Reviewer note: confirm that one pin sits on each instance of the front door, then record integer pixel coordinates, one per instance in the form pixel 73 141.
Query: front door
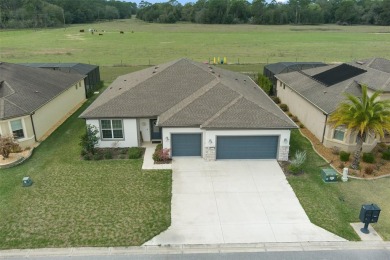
pixel 155 130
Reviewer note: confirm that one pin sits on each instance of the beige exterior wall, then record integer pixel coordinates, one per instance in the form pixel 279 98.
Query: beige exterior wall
pixel 47 118
pixel 349 143
pixel 28 140
pixel 309 115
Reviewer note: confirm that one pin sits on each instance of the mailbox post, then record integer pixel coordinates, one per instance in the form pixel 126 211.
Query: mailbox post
pixel 369 213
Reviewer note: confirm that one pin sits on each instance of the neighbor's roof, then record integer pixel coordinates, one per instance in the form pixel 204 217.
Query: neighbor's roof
pixel 80 68
pixel 184 93
pixel 284 67
pixel 323 86
pixel 24 89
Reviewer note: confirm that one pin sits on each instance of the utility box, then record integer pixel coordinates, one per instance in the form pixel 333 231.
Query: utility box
pixel 27 182
pixel 369 213
pixel 329 175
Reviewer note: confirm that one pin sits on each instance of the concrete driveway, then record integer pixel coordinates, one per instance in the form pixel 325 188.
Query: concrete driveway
pixel 235 201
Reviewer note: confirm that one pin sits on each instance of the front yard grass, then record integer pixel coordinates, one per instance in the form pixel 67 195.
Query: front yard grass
pixel 81 203
pixel 333 206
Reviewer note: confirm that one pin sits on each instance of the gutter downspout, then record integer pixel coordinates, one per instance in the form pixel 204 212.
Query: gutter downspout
pixel 33 127
pixel 323 133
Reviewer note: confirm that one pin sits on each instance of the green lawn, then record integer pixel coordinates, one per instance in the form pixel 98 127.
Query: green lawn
pixel 81 203
pixel 334 205
pixel 158 43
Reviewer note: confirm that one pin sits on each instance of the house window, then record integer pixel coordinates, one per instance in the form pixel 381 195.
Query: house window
pixel 17 129
pixel 339 133
pixel 364 139
pixel 111 129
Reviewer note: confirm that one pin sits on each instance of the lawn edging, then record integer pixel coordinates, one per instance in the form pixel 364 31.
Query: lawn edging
pixel 338 171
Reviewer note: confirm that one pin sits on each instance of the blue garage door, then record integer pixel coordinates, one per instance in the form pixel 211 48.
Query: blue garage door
pixel 247 147
pixel 186 144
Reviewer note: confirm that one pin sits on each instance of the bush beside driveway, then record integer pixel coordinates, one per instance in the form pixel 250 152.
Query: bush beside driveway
pixel 81 203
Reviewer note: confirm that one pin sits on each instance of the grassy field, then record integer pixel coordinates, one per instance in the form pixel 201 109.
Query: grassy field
pixel 158 43
pixel 334 205
pixel 81 203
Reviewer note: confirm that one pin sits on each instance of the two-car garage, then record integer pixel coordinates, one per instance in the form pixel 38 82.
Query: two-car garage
pixel 227 147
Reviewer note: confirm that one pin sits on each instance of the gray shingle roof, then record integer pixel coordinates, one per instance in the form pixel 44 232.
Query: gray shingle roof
pixel 327 98
pixel 25 89
pixel 186 93
pixel 80 68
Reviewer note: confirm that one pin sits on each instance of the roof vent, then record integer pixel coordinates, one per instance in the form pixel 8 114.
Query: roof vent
pixel 125 80
pixel 36 91
pixel 120 88
pixel 153 72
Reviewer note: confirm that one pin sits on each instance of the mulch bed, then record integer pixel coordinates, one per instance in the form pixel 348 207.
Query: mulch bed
pixel 381 166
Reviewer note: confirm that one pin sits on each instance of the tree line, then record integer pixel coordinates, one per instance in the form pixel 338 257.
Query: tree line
pixel 375 12
pixel 54 13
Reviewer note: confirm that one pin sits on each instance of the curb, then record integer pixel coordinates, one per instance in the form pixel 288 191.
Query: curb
pixel 192 249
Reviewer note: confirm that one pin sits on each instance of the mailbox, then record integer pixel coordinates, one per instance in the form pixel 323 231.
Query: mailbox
pixel 369 213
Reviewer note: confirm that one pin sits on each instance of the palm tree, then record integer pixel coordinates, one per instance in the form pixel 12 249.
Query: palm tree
pixel 362 115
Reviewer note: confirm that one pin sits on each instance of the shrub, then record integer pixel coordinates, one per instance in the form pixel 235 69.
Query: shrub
pixel 289 114
pixel 108 155
pixel 161 155
pixel 89 139
pixel 386 155
pixel 135 152
pixel 264 83
pixel 97 157
pixel 301 125
pixel 122 156
pixel 344 156
pixel 83 152
pixel 335 150
pixel 369 170
pixel 294 118
pixel 368 157
pixel 275 99
pixel 297 163
pixel 124 151
pixel 381 147
pixel 283 107
pixel 8 145
pixel 87 157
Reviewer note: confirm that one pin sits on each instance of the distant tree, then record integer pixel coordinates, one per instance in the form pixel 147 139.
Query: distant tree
pixel 264 83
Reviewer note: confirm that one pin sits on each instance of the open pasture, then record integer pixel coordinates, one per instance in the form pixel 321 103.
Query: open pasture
pixel 145 44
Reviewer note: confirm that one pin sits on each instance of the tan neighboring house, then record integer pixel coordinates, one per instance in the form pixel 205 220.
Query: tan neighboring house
pixel 34 101
pixel 193 109
pixel 313 94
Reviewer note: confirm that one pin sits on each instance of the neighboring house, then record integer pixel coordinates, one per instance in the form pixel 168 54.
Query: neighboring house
pixel 34 101
pixel 273 69
pixel 313 94
pixel 195 110
pixel 91 72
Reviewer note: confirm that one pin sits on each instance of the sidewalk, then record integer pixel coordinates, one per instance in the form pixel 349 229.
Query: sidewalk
pixel 193 249
pixel 148 160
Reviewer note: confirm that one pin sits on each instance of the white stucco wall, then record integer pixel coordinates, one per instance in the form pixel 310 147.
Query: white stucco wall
pixel 309 115
pixel 130 134
pixel 47 117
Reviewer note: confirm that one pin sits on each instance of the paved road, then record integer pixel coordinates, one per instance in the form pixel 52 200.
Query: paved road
pixel 308 255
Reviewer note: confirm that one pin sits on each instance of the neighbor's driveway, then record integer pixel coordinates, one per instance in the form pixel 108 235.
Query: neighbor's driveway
pixel 235 201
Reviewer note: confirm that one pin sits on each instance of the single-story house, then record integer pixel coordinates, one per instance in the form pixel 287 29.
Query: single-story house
pixel 270 70
pixel 313 94
pixel 34 101
pixel 91 72
pixel 194 109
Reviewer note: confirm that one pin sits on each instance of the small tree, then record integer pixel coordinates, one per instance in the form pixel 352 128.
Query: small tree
pixel 8 145
pixel 89 139
pixel 264 83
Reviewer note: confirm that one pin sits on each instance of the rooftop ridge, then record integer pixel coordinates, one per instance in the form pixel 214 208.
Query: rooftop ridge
pixel 220 112
pixel 185 102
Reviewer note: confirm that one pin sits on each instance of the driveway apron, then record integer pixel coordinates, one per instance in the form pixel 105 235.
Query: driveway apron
pixel 235 201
